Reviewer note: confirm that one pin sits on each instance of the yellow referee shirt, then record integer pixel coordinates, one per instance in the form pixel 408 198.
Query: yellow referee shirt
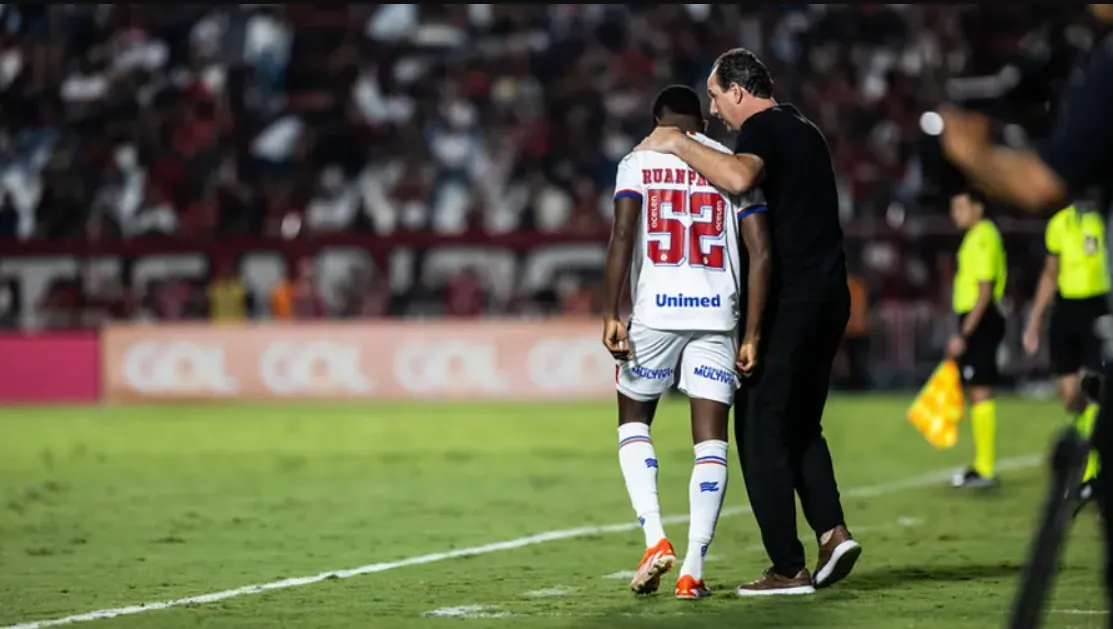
pixel 1078 239
pixel 981 258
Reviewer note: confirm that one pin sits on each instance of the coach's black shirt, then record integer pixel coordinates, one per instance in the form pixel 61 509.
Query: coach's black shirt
pixel 809 264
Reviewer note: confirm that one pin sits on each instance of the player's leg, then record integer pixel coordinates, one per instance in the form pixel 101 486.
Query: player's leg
pixel 978 368
pixel 813 468
pixel 707 377
pixel 640 382
pixel 761 429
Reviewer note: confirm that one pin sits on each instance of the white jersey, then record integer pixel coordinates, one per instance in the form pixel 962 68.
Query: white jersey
pixel 686 270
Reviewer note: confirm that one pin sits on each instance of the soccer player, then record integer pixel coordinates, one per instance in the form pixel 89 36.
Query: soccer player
pixel 677 237
pixel 978 287
pixel 779 408
pixel 1074 273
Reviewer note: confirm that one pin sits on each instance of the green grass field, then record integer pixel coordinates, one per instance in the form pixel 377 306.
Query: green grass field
pixel 103 508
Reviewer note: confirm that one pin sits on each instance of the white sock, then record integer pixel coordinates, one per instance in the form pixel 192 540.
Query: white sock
pixel 639 467
pixel 705 500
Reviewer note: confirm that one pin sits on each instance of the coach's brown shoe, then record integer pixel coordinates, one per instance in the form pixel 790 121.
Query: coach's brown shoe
pixel 836 558
pixel 773 584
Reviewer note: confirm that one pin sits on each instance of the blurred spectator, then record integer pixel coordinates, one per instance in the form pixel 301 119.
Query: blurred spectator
pixel 464 295
pixel 298 298
pixel 10 303
pixel 364 294
pixel 856 340
pixel 228 297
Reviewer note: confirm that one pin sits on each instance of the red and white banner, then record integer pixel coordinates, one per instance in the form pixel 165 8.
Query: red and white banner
pixel 49 367
pixel 483 360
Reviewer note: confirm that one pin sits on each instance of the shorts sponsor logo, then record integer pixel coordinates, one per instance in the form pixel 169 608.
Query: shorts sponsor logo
pixel 680 300
pixel 170 367
pixel 312 367
pixel 711 373
pixel 646 373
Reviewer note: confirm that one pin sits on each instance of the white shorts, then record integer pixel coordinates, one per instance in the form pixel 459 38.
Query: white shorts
pixel 704 361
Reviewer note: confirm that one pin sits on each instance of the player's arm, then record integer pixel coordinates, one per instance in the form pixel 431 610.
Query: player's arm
pixel 1074 157
pixel 620 251
pixel 754 228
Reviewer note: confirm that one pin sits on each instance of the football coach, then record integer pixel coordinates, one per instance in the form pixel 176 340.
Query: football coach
pixel 779 406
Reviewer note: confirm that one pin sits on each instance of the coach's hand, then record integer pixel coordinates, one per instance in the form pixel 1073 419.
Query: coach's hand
pixel 747 356
pixel 662 140
pixel 956 347
pixel 615 338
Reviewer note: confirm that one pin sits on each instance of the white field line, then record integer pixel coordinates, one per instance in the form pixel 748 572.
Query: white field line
pixel 1080 612
pixel 869 491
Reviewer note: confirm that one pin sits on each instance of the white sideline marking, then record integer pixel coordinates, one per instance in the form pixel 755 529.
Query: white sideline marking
pixel 553 592
pixel 467 611
pixel 1080 612
pixel 939 476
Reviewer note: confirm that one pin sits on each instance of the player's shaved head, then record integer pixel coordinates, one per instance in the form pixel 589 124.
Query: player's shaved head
pixel 678 105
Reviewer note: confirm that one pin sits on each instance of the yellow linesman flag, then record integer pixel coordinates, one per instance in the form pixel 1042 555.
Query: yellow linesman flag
pixel 938 408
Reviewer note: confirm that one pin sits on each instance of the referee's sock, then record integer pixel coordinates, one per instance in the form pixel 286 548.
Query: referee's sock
pixel 705 500
pixel 638 461
pixel 983 416
pixel 1085 425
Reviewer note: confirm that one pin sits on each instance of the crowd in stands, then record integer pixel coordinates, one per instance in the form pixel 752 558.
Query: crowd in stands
pixel 126 121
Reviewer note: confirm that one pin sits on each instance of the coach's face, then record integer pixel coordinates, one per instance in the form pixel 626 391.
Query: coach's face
pixel 727 105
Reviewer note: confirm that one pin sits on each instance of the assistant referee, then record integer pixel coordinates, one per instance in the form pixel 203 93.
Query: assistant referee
pixel 1075 277
pixel 780 405
pixel 978 288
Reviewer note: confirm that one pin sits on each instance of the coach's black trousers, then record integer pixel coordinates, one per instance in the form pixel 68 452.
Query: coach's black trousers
pixel 777 426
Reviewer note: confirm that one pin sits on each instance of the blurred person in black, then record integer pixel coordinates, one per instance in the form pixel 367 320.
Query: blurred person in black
pixel 1076 155
pixel 779 407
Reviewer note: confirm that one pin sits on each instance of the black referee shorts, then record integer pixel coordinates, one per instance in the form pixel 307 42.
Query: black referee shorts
pixel 1072 341
pixel 978 364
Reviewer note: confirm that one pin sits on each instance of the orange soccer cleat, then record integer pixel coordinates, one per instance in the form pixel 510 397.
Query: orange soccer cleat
pixel 657 561
pixel 690 588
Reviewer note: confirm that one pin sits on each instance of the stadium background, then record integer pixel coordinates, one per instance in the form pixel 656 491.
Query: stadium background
pixel 407 202
pixel 450 162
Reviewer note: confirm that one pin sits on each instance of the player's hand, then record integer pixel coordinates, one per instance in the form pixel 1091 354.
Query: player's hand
pixel 615 338
pixel 1031 340
pixel 662 140
pixel 747 356
pixel 965 136
pixel 956 347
